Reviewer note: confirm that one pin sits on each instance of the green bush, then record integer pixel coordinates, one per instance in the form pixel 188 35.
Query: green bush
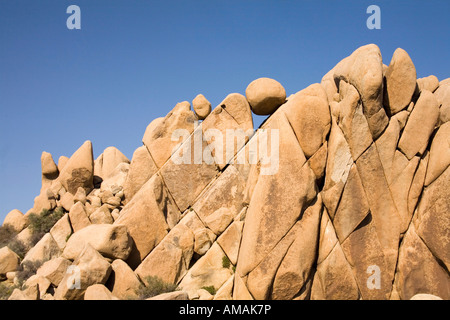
pixel 154 287
pixel 210 289
pixel 6 234
pixel 43 222
pixel 226 262
pixel 18 247
pixel 6 290
pixel 27 269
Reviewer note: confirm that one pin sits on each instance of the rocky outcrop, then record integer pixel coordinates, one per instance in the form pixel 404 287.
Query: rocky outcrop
pixel 341 194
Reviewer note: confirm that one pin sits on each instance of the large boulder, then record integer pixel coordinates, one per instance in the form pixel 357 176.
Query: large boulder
pixel 158 135
pixel 420 125
pixel 112 241
pixel 89 268
pixel 54 270
pixel 122 282
pixel 106 163
pixel 16 220
pixel 265 95
pixel 364 70
pixel 400 81
pixel 9 260
pixel 142 168
pixel 147 218
pixel 309 115
pixel 79 170
pixel 202 106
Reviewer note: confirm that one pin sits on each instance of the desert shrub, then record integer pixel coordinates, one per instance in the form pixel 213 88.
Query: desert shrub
pixel 27 269
pixel 42 223
pixel 6 290
pixel 226 262
pixel 210 289
pixel 154 287
pixel 18 247
pixel 6 234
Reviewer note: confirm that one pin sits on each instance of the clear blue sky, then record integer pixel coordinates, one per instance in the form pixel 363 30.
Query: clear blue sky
pixel 132 61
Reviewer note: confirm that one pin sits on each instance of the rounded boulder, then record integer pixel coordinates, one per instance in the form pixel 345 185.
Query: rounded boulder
pixel 265 95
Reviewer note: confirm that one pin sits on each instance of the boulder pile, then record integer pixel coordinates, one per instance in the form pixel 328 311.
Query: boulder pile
pixel 342 193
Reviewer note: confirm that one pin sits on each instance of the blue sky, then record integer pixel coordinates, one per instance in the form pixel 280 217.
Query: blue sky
pixel 132 61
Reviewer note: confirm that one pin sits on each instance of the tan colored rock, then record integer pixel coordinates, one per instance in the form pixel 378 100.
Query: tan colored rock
pixel 265 95
pixel 418 270
pixel 54 270
pixel 339 162
pixel 387 145
pixel 67 201
pixel 158 135
pixel 193 164
pixel 439 154
pixel 16 220
pixel 386 219
pixel 225 292
pixel 9 260
pixel 280 193
pixel 364 70
pixel 223 200
pixel 237 106
pixel 110 159
pixel 49 168
pixel 292 275
pixel 230 240
pixel 333 279
pixel 29 293
pixel 61 231
pixel 442 95
pixel 425 296
pixel 309 115
pixel 90 268
pixel 400 81
pixel 207 271
pixel 46 249
pixel 430 83
pixel 260 279
pixel 122 282
pixel 240 291
pixel 420 125
pixel 365 253
pixel 433 218
pixel 417 184
pixel 62 161
pixel 176 295
pixel 400 188
pixel 116 179
pixel 353 206
pixel 42 202
pixel 202 106
pixel 79 170
pixel 78 217
pixel 228 128
pixel 42 283
pixel 101 216
pixel 98 292
pixel 112 241
pixel 171 258
pixel 203 239
pixel 142 168
pixel 352 120
pixel 80 196
pixel 318 161
pixel 144 217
